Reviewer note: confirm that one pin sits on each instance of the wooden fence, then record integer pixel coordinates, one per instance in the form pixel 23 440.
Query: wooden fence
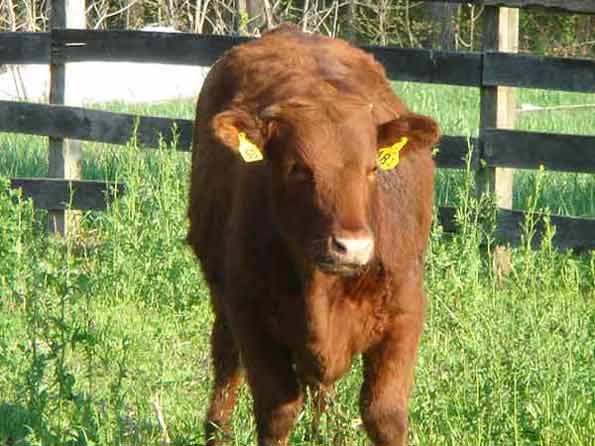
pixel 491 71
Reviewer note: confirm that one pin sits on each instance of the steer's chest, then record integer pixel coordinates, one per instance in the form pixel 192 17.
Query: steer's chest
pixel 326 324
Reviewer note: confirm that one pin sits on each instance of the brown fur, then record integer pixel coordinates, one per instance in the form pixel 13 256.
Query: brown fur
pixel 296 315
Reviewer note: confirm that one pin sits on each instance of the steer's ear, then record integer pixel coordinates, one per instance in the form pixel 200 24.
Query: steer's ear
pixel 408 132
pixel 242 132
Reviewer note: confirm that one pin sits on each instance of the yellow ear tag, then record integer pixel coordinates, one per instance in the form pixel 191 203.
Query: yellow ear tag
pixel 388 157
pixel 249 151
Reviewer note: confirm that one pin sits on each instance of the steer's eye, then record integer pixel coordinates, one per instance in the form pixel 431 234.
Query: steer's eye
pixel 300 172
pixel 372 173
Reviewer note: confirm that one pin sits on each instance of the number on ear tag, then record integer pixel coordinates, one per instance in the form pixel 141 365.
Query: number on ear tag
pixel 249 151
pixel 388 157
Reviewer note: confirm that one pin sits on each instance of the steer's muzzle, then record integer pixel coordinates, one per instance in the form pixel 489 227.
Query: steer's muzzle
pixel 348 251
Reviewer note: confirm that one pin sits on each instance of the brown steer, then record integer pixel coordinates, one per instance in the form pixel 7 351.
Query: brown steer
pixel 312 254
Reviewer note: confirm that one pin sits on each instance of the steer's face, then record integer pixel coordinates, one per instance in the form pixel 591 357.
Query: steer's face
pixel 324 161
pixel 324 174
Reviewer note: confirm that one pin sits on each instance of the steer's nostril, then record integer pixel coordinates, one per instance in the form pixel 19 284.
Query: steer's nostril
pixel 338 246
pixel 351 250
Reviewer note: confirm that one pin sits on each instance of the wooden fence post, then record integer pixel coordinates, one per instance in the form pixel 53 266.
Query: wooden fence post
pixel 64 155
pixel 498 104
pixel 498 110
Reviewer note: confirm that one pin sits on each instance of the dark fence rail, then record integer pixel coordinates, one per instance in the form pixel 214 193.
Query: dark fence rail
pixel 57 194
pixel 530 150
pixel 552 73
pixel 437 67
pixel 419 65
pixel 25 48
pixel 60 121
pixel 71 45
pixel 573 233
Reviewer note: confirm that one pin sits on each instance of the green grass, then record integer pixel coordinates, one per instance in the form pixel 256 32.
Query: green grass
pixel 91 332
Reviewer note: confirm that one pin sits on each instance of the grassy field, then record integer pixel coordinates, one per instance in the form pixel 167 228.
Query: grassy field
pixel 94 330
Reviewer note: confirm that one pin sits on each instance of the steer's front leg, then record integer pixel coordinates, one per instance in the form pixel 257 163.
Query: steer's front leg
pixel 388 378
pixel 277 396
pixel 275 388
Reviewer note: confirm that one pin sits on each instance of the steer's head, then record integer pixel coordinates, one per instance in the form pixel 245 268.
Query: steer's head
pixel 324 159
